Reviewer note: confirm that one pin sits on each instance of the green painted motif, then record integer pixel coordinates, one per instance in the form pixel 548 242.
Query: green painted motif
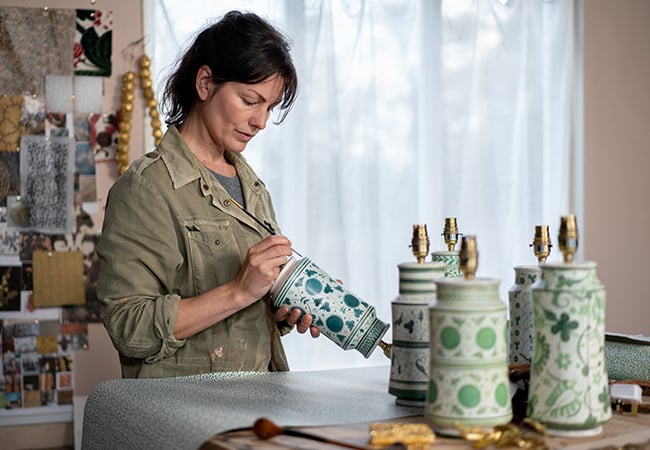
pixel 486 338
pixel 469 345
pixel 568 387
pixel 450 338
pixel 502 394
pixel 469 396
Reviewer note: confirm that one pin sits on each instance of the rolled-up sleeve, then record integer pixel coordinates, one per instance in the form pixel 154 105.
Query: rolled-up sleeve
pixel 139 257
pixel 143 328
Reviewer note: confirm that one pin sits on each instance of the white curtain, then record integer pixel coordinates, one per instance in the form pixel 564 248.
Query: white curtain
pixel 411 111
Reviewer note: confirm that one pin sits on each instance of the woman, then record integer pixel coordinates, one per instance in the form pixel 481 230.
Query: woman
pixel 184 272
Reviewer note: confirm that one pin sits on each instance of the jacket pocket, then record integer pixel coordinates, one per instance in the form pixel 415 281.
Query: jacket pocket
pixel 213 253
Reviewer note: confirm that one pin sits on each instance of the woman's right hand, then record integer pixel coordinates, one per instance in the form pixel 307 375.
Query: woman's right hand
pixel 262 266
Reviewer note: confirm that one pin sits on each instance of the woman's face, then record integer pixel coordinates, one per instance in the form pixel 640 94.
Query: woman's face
pixel 233 113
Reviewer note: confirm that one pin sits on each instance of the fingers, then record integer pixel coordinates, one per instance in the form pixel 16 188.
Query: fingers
pixel 272 246
pixel 262 265
pixel 293 318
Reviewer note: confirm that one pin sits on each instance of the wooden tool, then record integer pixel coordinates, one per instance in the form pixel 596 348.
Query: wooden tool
pixel 266 429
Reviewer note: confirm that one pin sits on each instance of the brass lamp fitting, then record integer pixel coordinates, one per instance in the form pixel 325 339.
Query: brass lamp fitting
pixel 568 237
pixel 420 242
pixel 541 243
pixel 386 348
pixel 468 257
pixel 450 233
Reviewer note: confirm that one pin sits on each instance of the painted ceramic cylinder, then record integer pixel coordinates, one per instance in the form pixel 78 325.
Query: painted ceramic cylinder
pixel 340 314
pixel 568 389
pixel 520 297
pixel 468 375
pixel 409 370
pixel 451 260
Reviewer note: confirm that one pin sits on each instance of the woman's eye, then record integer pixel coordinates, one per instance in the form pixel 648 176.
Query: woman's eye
pixel 248 102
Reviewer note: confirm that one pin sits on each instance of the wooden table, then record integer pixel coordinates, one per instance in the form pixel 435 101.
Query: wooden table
pixel 186 412
pixel 182 413
pixel 622 429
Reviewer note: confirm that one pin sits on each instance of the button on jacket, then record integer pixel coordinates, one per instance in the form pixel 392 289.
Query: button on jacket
pixel 170 232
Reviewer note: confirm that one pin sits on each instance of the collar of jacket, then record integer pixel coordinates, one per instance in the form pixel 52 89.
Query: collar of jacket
pixel 184 167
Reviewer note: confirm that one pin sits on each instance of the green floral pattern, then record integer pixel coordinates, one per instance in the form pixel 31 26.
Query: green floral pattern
pixel 568 386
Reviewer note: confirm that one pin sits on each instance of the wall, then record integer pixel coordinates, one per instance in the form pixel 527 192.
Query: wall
pixel 617 156
pixel 100 362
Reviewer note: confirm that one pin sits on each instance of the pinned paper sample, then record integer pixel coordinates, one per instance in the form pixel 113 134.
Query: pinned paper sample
pixel 10 281
pixel 46 175
pixel 84 159
pixel 81 127
pixel 58 124
pixel 93 46
pixel 31 242
pixel 58 93
pixel 32 117
pixel 58 278
pixel 85 185
pixel 88 93
pixel 8 236
pixel 10 107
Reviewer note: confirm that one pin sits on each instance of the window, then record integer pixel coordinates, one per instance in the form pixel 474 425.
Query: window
pixel 410 112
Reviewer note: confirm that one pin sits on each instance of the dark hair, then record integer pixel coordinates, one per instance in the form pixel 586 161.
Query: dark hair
pixel 240 47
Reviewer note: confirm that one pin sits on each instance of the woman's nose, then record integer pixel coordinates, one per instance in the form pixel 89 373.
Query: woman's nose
pixel 259 118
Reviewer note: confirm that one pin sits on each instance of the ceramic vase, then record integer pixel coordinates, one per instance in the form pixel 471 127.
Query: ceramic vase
pixel 409 370
pixel 341 315
pixel 568 389
pixel 468 375
pixel 520 298
pixel 451 261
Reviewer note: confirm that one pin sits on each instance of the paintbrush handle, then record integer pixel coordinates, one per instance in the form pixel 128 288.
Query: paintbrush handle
pixel 314 437
pixel 259 222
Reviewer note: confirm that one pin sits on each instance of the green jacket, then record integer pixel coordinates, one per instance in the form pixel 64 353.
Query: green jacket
pixel 170 232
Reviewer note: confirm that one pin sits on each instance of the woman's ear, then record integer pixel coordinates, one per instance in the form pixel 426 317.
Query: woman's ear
pixel 204 82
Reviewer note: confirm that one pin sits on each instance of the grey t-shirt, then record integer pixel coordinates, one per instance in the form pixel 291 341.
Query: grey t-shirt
pixel 232 185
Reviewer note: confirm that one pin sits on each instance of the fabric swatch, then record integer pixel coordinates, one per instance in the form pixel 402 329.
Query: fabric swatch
pixel 34 43
pixel 9 175
pixel 10 107
pixel 58 278
pixel 93 43
pixel 103 135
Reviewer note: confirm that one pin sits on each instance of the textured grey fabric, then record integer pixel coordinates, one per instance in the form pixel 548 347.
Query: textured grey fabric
pixel 182 413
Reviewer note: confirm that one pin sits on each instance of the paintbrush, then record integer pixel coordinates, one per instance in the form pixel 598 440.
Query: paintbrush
pixel 264 225
pixel 266 429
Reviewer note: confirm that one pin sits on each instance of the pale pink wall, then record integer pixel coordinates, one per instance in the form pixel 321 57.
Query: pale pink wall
pixel 617 157
pixel 100 362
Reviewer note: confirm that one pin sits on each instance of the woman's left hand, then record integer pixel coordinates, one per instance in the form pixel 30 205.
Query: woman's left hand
pixel 293 318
